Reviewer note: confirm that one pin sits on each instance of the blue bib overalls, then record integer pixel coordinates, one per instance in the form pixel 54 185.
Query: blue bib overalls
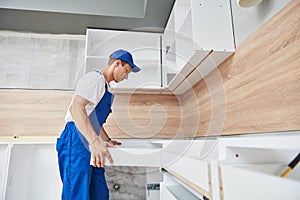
pixel 81 181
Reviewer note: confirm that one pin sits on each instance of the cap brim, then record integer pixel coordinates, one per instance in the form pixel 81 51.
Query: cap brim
pixel 134 68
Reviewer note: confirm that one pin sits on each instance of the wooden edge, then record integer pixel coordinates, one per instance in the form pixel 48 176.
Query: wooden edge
pixel 221 183
pixel 209 180
pixel 51 139
pixel 189 183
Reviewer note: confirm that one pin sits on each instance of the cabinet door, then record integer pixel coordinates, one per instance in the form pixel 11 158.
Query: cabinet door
pixel 212 25
pixel 33 172
pixel 4 148
pixel 145 48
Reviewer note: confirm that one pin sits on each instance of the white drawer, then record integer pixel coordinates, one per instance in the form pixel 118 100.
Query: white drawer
pixel 193 172
pixel 135 157
pixel 250 182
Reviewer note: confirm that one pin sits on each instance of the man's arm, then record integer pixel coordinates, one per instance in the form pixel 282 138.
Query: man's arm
pixel 97 146
pixel 104 136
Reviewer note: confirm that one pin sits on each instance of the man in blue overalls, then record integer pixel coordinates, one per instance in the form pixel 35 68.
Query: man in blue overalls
pixel 82 146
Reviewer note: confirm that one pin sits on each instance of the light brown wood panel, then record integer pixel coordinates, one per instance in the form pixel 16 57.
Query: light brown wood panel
pixel 261 82
pixel 33 112
pixel 144 116
pixel 41 112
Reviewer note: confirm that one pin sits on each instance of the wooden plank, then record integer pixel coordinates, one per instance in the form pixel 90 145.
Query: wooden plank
pixel 33 112
pixel 144 116
pixel 189 183
pixel 41 112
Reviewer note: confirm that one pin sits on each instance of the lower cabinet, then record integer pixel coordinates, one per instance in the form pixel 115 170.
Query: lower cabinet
pixel 30 172
pixel 225 168
pixel 192 172
pixel 173 188
pixel 3 166
pixel 258 182
pixel 250 168
pixel 29 168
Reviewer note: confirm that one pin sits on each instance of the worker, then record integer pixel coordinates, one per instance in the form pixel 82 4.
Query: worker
pixel 83 144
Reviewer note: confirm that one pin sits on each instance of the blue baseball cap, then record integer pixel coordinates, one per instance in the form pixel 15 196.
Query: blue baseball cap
pixel 125 56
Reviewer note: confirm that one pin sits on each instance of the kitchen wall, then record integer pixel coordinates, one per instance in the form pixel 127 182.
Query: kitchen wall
pixel 38 61
pixel 48 61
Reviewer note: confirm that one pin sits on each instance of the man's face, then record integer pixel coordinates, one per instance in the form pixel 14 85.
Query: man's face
pixel 121 72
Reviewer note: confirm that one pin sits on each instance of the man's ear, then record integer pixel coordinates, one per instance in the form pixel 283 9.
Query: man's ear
pixel 117 63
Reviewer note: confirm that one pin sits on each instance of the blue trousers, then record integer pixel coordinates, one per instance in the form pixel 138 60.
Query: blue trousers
pixel 81 181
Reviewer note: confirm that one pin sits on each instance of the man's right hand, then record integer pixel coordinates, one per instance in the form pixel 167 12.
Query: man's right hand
pixel 99 150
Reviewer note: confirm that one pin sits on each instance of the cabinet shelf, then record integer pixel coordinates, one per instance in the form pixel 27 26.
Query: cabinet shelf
pixel 192 30
pixel 177 189
pixel 144 47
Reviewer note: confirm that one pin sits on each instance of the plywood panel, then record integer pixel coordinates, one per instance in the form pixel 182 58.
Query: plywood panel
pixel 41 112
pixel 144 116
pixel 33 112
pixel 260 83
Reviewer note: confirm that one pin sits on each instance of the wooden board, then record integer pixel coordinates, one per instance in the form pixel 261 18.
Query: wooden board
pixel 33 112
pixel 42 112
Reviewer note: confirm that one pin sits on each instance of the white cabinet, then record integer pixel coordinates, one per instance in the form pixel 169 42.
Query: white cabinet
pixel 188 161
pixel 173 188
pixel 4 151
pixel 145 48
pixel 250 168
pixel 258 182
pixel 31 172
pixel 29 166
pixel 197 38
pixel 223 168
pixel 232 168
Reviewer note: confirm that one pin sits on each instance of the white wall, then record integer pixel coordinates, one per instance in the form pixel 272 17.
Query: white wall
pixel 248 20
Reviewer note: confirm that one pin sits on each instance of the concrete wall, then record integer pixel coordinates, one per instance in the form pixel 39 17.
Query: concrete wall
pixel 40 61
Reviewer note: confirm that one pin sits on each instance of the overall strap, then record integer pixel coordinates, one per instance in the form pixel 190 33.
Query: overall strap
pixel 102 75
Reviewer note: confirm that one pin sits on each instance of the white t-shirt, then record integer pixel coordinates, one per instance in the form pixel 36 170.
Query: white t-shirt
pixel 91 87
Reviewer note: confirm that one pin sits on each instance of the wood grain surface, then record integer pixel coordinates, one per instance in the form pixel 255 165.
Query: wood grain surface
pixel 260 83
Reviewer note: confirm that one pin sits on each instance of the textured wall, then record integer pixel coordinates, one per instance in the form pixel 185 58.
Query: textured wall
pixel 132 182
pixel 38 61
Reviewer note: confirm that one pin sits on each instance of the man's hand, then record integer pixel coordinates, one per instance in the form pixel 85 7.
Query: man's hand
pixel 99 150
pixel 114 142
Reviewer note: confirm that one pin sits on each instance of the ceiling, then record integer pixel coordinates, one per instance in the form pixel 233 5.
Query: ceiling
pixel 74 16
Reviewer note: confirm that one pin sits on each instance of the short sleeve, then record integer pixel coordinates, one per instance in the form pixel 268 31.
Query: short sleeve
pixel 91 87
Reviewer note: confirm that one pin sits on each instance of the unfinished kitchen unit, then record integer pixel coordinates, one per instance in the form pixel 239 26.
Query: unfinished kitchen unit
pixel 214 113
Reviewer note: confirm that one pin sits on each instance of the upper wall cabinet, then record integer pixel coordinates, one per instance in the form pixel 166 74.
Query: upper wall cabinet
pixel 145 48
pixel 197 38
